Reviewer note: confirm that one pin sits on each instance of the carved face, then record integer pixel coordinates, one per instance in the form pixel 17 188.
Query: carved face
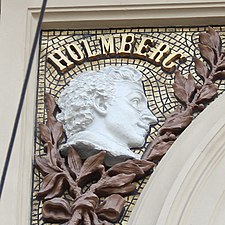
pixel 128 117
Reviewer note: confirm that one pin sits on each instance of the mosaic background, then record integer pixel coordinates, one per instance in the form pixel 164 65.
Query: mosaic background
pixel 157 83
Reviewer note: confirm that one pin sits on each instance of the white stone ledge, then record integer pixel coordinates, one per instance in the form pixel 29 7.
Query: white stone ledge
pixel 144 14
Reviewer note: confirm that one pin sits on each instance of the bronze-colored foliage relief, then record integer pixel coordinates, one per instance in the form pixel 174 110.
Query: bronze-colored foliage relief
pixel 96 192
pixel 193 97
pixel 71 174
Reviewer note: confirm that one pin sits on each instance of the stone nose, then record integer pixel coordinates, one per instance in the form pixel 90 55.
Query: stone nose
pixel 148 116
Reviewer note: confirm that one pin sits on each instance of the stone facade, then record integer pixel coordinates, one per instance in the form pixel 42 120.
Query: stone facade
pixel 187 188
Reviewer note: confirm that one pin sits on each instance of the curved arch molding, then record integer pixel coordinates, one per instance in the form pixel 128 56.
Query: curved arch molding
pixel 188 186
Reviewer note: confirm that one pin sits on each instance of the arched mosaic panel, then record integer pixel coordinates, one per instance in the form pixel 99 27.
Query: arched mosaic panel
pixel 157 83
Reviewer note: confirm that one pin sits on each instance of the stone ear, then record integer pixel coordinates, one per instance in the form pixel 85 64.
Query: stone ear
pixel 100 104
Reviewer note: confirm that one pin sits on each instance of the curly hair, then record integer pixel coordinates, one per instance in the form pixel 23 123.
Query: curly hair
pixel 76 101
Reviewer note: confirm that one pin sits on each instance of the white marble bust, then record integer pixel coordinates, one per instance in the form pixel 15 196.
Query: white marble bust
pixel 106 110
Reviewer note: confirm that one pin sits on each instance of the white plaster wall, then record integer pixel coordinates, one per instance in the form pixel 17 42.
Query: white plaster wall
pixel 179 186
pixel 15 44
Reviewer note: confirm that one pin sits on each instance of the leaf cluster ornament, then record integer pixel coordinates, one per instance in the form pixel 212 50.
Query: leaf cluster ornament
pixel 71 174
pixel 184 89
pixel 192 97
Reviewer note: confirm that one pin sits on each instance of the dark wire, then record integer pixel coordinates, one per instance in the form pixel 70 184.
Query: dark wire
pixel 22 96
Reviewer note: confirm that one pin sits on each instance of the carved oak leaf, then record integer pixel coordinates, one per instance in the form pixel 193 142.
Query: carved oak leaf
pixel 119 184
pixel 126 167
pixel 184 88
pixel 179 88
pixel 176 122
pixel 45 133
pixel 219 75
pixel 207 93
pixel 190 87
pixel 220 72
pixel 215 38
pixel 92 166
pixel 159 150
pixel 145 165
pixel 207 53
pixel 110 209
pixel 54 126
pixel 205 39
pixel 138 167
pixel 57 131
pixel 53 155
pixel 51 106
pixel 221 67
pixel 56 210
pixel 53 185
pixel 45 166
pixel 201 69
pixel 74 161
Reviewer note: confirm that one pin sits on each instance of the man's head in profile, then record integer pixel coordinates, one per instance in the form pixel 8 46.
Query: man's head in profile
pixel 106 110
